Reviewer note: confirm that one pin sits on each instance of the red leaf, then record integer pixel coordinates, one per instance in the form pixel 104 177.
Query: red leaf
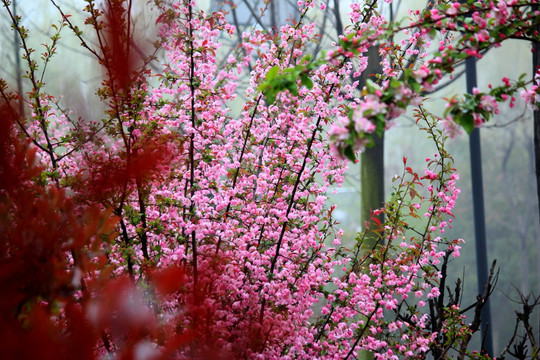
pixel 169 280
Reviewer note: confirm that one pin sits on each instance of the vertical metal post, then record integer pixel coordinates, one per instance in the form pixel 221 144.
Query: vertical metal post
pixel 479 213
pixel 536 118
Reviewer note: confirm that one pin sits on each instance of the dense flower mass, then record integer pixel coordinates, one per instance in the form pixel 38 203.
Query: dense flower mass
pixel 182 228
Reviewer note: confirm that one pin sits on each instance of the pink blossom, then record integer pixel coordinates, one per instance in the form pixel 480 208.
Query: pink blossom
pixel 489 103
pixel 430 174
pixel 361 124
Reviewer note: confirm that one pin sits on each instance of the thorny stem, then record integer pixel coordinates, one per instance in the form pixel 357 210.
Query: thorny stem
pixel 125 236
pixel 17 118
pixel 36 94
pixel 480 302
pixel 77 33
pixel 248 132
pixel 192 148
pixel 359 336
pixel 142 210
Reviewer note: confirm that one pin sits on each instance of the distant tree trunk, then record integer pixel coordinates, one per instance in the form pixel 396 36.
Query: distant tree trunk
pixel 273 17
pixel 371 176
pixel 18 70
pixel 372 185
pixel 372 164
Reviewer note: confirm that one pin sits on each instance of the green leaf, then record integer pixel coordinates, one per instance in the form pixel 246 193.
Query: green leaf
pixel 466 120
pixel 270 96
pixel 306 81
pixel 380 125
pixel 370 86
pixel 272 73
pixel 395 83
pixel 263 87
pixel 349 153
pixel 293 88
pixel 416 86
pixel 77 31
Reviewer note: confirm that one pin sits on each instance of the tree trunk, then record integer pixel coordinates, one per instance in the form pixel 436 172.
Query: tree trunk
pixel 371 177
pixel 372 165
pixel 18 70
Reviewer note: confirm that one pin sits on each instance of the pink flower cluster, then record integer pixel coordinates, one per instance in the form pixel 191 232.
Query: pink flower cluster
pixel 401 85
